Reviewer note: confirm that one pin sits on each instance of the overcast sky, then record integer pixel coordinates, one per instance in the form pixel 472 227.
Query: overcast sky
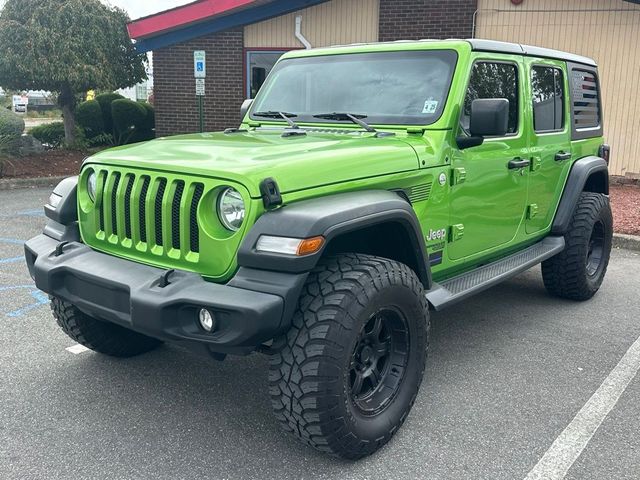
pixel 141 8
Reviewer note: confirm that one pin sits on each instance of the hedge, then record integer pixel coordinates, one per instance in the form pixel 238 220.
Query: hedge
pixel 132 121
pixel 89 117
pixel 50 134
pixel 105 100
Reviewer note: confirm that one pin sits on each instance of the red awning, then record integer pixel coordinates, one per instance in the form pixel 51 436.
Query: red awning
pixel 182 16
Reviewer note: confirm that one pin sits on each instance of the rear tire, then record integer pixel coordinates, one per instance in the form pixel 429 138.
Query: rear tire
pixel 345 376
pixel 577 272
pixel 103 337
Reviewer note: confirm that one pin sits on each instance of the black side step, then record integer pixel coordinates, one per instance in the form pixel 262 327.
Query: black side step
pixel 458 288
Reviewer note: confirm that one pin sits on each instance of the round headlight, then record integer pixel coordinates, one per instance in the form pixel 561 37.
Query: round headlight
pixel 231 209
pixel 92 185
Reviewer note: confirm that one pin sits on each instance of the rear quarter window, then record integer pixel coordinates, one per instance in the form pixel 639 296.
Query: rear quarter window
pixel 586 105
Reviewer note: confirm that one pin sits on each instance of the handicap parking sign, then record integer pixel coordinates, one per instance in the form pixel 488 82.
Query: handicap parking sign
pixel 199 64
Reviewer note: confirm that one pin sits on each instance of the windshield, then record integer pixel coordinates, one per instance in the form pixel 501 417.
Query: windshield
pixel 393 88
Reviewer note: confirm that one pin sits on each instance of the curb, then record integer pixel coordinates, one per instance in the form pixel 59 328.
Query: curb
pixel 630 242
pixel 17 183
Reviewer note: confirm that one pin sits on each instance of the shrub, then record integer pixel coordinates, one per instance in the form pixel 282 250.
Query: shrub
pixel 89 118
pixel 11 124
pixel 146 129
pixel 128 116
pixel 100 140
pixel 50 134
pixel 105 100
pixel 11 128
pixel 149 123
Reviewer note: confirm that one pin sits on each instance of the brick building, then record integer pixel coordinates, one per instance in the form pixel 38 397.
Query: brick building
pixel 243 39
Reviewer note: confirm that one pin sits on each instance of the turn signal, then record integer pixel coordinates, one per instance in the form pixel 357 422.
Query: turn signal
pixel 310 245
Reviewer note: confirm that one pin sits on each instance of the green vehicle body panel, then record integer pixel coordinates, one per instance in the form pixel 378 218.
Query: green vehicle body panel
pixel 470 206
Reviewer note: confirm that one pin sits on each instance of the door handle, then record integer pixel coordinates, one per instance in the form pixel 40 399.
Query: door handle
pixel 518 163
pixel 561 156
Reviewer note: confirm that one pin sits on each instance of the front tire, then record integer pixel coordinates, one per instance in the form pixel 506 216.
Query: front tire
pixel 345 376
pixel 103 337
pixel 577 272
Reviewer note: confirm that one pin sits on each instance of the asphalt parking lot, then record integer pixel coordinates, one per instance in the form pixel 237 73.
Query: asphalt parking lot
pixel 508 372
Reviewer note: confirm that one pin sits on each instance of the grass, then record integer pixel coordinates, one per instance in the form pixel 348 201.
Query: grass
pixel 55 113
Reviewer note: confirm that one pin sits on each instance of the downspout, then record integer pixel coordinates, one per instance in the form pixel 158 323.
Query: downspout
pixel 299 35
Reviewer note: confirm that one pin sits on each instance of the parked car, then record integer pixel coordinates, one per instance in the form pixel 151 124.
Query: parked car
pixel 366 186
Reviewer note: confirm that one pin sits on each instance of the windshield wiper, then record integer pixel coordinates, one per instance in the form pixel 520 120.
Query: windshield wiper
pixel 275 114
pixel 347 116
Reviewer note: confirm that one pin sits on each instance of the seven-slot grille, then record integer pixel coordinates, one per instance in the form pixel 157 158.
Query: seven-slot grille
pixel 149 212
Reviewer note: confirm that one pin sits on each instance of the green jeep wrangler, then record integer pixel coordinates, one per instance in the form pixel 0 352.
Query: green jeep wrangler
pixel 367 185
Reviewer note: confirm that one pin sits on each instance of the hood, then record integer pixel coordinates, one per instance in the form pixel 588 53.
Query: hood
pixel 295 162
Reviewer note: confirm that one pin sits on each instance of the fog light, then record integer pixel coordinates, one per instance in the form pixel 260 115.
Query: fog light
pixel 207 322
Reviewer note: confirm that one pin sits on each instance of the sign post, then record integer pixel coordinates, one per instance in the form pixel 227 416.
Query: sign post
pixel 200 73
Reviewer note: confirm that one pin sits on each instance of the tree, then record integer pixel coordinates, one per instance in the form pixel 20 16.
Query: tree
pixel 68 47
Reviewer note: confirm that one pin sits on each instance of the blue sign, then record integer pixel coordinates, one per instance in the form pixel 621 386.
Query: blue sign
pixel 199 64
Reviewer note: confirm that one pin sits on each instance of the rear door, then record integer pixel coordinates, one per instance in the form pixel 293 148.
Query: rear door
pixel 550 140
pixel 488 195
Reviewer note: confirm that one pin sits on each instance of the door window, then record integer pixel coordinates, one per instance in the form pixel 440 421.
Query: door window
pixel 259 64
pixel 547 86
pixel 493 80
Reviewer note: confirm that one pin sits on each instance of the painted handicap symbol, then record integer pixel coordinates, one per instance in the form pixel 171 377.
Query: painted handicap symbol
pixel 39 298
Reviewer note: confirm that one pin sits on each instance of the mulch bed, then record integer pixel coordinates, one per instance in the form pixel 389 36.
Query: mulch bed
pixel 625 203
pixel 53 163
pixel 625 199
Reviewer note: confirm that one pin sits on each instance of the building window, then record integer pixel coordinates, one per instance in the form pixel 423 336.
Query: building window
pixel 547 86
pixel 493 80
pixel 259 64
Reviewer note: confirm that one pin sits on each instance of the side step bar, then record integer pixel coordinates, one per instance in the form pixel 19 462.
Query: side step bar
pixel 458 288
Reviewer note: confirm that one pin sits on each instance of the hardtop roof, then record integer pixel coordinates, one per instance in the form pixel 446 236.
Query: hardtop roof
pixel 481 45
pixel 476 44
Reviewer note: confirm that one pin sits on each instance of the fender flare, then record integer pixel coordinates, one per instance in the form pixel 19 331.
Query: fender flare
pixel 581 171
pixel 332 216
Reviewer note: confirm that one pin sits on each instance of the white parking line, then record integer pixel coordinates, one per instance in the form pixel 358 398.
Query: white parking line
pixel 566 449
pixel 77 349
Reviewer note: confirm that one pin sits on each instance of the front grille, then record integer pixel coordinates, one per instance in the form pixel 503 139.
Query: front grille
pixel 175 215
pixel 142 208
pixel 145 212
pixel 158 211
pixel 195 233
pixel 127 206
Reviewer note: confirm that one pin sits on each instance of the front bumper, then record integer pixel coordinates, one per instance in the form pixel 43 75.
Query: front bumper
pixel 250 310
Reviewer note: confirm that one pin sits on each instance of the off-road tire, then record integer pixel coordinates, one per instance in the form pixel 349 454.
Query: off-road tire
pixel 567 274
pixel 103 337
pixel 309 374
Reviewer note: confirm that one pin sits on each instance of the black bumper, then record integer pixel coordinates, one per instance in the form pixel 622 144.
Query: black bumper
pixel 251 309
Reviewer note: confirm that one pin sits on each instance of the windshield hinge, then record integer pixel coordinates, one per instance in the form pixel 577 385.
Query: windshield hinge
pixel 270 193
pixel 416 130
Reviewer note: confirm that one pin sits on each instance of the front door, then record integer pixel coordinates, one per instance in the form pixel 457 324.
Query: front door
pixel 489 192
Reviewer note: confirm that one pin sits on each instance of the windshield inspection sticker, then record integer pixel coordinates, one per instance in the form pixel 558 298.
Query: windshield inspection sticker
pixel 430 106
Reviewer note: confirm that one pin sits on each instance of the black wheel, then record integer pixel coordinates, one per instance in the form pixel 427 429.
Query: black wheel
pixel 577 272
pixel 347 373
pixel 103 337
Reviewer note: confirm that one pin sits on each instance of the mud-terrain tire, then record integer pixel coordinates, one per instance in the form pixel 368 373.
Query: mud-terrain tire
pixel 345 376
pixel 102 337
pixel 577 272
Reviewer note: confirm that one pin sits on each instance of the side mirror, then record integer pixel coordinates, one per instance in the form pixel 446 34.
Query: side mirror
pixel 246 105
pixel 489 118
